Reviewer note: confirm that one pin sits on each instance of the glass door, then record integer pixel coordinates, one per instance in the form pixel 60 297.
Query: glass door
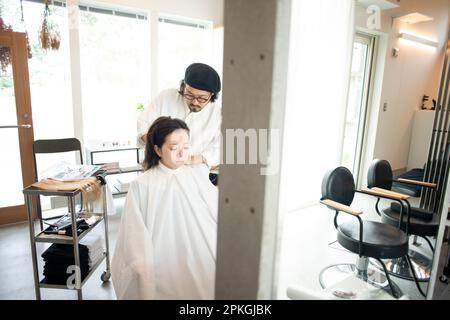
pixel 363 48
pixel 16 132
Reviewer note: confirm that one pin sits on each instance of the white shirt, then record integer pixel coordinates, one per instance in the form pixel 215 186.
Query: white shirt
pixel 166 245
pixel 204 126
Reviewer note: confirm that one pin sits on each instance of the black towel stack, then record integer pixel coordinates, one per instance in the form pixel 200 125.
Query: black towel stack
pixel 58 258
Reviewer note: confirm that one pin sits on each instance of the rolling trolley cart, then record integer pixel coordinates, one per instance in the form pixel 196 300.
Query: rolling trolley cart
pixel 93 217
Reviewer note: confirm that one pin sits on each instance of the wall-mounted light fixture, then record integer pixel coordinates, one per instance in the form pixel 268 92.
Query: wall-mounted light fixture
pixel 415 38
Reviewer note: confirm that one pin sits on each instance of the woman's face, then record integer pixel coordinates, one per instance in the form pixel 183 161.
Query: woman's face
pixel 175 151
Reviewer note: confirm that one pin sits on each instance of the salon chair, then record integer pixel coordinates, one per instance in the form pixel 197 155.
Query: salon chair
pixel 367 239
pixel 48 146
pixel 414 221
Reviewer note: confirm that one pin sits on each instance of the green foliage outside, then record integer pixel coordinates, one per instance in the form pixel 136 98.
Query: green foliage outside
pixel 140 107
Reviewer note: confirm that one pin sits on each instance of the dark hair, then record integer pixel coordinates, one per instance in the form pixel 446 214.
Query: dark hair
pixel 156 136
pixel 214 96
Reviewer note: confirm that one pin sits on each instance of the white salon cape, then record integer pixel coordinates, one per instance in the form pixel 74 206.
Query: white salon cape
pixel 204 125
pixel 166 246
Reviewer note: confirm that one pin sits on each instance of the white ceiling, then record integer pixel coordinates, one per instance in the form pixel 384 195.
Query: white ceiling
pixel 383 4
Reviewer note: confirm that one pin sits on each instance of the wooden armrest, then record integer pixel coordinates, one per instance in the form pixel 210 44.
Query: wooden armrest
pixel 385 193
pixel 417 183
pixel 341 207
pixel 393 193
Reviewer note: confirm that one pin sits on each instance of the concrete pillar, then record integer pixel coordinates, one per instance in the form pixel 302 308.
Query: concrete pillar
pixel 256 43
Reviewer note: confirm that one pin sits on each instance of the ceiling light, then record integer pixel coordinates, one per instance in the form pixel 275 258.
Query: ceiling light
pixel 415 17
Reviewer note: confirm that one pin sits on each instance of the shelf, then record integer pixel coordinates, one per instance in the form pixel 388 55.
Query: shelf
pixel 115 170
pixel 137 168
pixel 112 149
pixel 115 188
pixel 56 238
pixel 118 192
pixel 61 286
pixel 33 190
pixel 94 218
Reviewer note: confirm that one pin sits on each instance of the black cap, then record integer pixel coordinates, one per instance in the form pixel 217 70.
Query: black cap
pixel 202 77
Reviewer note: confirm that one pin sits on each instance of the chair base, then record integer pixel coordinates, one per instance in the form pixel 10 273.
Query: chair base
pixel 399 267
pixel 338 272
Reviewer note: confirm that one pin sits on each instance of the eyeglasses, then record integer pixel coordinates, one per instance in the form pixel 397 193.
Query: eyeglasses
pixel 191 97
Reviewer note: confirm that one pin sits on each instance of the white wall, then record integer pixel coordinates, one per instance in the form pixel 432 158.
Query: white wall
pixel 408 77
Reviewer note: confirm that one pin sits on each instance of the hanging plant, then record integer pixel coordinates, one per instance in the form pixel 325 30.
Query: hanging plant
pixel 4 26
pixel 30 55
pixel 49 36
pixel 5 53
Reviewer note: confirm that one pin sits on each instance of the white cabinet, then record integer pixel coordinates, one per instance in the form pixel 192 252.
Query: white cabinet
pixel 420 139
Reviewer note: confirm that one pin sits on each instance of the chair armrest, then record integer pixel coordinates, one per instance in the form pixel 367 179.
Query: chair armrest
pixel 340 207
pixel 383 193
pixel 393 193
pixel 417 183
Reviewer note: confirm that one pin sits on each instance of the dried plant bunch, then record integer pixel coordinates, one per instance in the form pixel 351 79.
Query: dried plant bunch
pixel 5 52
pixel 30 55
pixel 48 34
pixel 44 36
pixel 5 58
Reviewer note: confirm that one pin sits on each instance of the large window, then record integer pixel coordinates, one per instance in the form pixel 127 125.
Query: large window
pixel 357 103
pixel 115 73
pixel 319 73
pixel 180 43
pixel 50 81
pixel 49 70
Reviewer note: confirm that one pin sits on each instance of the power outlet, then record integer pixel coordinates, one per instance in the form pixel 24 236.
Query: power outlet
pixel 385 107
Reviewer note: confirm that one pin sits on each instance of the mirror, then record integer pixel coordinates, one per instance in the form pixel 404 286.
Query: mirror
pixel 410 128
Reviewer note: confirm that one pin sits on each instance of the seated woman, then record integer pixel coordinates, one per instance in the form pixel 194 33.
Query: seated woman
pixel 166 246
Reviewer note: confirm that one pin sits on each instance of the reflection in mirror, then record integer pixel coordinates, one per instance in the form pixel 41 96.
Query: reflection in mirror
pixel 396 111
pixel 424 181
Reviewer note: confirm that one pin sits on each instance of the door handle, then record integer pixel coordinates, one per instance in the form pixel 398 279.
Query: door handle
pixel 25 126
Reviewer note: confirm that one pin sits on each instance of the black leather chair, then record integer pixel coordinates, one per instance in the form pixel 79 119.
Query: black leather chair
pixel 53 146
pixel 414 221
pixel 367 239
